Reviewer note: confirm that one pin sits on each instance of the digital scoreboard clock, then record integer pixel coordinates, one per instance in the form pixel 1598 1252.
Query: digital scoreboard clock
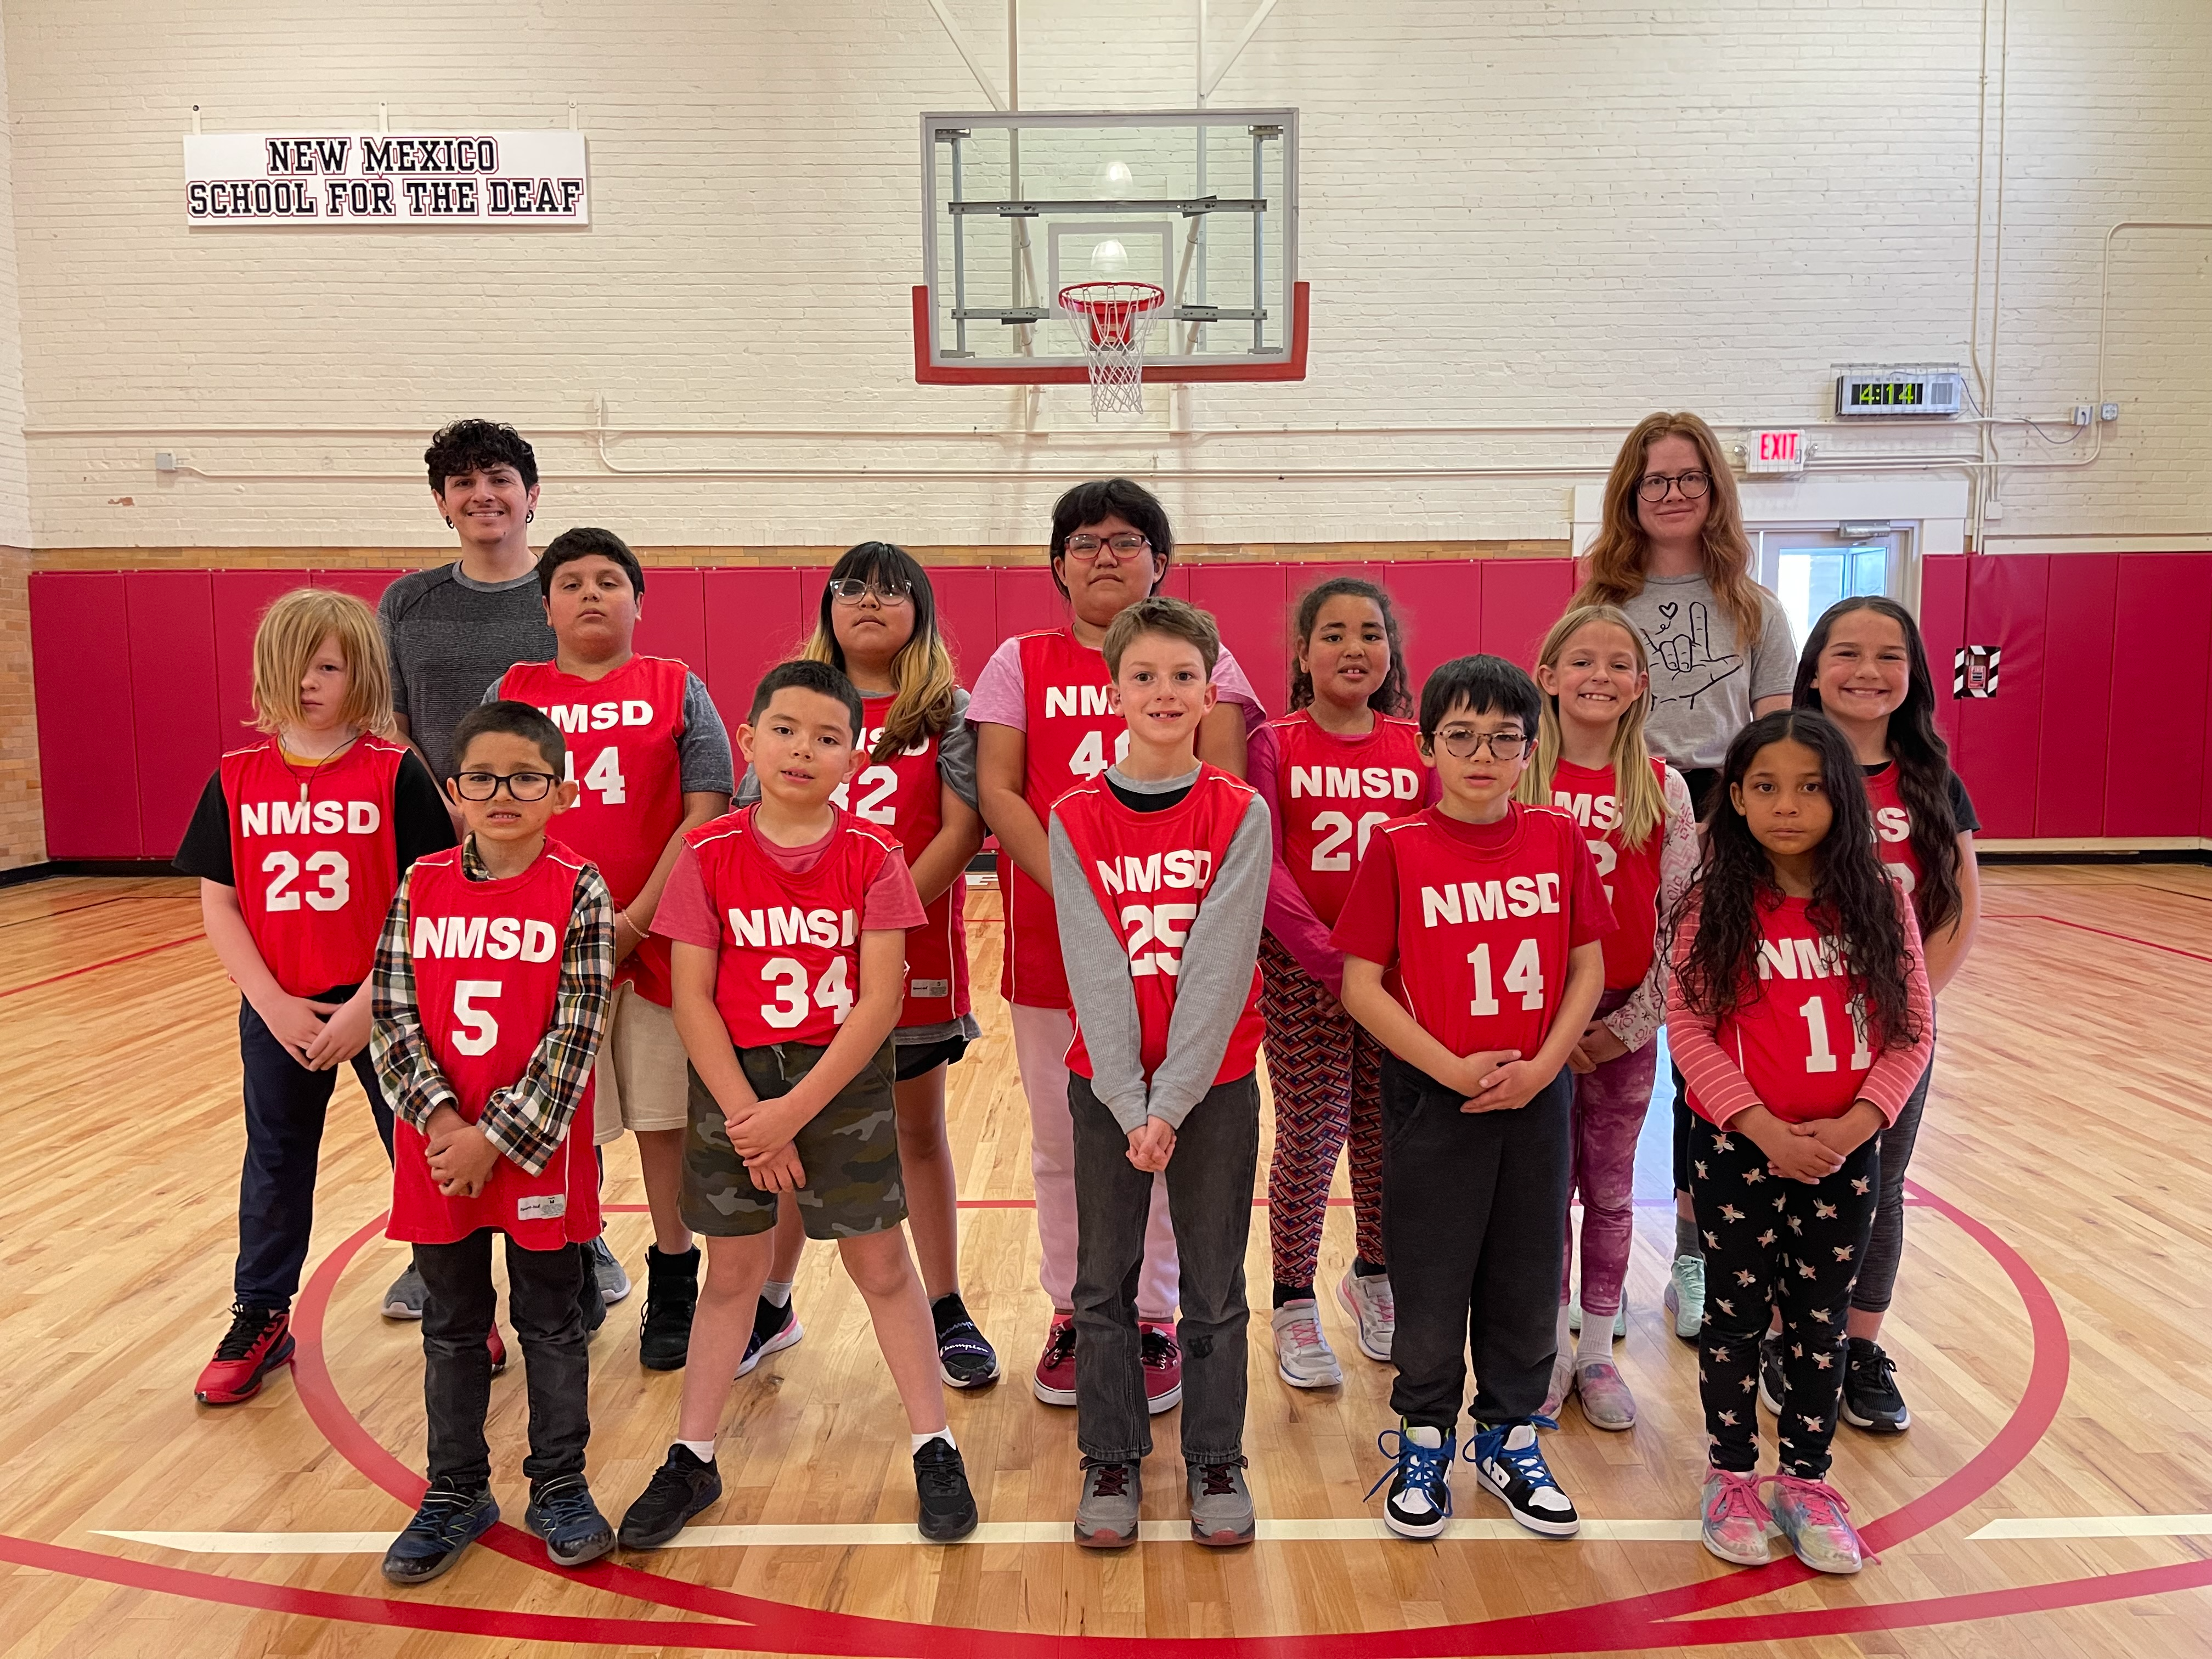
pixel 1898 392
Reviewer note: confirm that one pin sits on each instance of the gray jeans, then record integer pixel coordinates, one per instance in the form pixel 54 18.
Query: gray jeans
pixel 1209 1180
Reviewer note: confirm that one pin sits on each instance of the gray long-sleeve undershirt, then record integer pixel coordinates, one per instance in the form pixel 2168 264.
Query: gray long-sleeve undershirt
pixel 1215 974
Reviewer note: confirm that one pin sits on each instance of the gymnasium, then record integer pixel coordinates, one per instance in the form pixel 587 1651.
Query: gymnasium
pixel 1267 514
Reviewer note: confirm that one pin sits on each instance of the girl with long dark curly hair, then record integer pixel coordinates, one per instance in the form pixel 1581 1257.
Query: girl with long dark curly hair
pixel 1343 760
pixel 1800 1016
pixel 1866 668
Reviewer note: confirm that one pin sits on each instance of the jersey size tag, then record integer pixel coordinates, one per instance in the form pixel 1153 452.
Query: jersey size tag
pixel 929 987
pixel 542 1207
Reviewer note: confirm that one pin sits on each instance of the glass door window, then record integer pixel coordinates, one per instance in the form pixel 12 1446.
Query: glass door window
pixel 1810 569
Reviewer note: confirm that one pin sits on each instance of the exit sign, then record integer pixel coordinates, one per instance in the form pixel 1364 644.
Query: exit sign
pixel 1775 452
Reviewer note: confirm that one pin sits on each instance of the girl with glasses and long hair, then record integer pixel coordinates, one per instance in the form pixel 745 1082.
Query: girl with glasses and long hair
pixel 1866 668
pixel 877 624
pixel 1671 552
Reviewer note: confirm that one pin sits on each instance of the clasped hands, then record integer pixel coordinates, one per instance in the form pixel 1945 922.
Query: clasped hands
pixel 462 1157
pixel 760 1133
pixel 1809 1152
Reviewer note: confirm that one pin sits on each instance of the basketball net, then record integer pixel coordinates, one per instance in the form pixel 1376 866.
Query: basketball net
pixel 1112 321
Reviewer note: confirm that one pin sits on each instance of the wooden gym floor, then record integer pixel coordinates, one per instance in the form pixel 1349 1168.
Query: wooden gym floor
pixel 2054 1498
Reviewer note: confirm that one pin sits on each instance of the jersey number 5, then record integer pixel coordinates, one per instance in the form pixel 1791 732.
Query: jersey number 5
pixel 475 1030
pixel 332 881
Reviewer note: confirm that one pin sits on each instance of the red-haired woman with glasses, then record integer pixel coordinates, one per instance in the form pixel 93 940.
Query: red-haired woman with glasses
pixel 1672 553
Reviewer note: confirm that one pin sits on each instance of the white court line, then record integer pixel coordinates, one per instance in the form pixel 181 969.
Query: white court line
pixel 991 1532
pixel 2099 1526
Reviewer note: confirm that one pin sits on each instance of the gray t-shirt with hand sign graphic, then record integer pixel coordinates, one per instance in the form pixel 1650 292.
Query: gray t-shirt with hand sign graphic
pixel 1702 679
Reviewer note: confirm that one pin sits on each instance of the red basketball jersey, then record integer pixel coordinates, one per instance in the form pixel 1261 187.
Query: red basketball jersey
pixel 1892 831
pixel 1631 874
pixel 1072 736
pixel 1149 872
pixel 1485 930
pixel 1332 794
pixel 315 858
pixel 487 962
pixel 789 967
pixel 1801 1042
pixel 621 733
pixel 906 796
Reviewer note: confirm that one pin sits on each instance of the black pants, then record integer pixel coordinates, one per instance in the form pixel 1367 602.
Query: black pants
pixel 1771 1241
pixel 1885 1248
pixel 543 1300
pixel 1209 1180
pixel 1474 1211
pixel 285 1105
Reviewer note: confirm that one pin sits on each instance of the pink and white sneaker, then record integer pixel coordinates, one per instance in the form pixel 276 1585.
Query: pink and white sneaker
pixel 1733 1522
pixel 1813 1516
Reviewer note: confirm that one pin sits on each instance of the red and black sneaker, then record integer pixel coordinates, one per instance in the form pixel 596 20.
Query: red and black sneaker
pixel 259 1341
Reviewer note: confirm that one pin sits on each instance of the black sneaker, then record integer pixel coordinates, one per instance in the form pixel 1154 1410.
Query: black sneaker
pixel 1871 1400
pixel 947 1508
pixel 679 1489
pixel 450 1518
pixel 1511 1464
pixel 1770 1385
pixel 561 1513
pixel 965 1358
pixel 671 1296
pixel 775 1330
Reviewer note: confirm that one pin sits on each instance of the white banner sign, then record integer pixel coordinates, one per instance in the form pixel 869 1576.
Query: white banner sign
pixel 363 179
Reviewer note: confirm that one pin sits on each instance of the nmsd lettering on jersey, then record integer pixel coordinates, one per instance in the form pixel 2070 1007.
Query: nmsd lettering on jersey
pixel 1335 793
pixel 624 729
pixel 789 966
pixel 314 875
pixel 1491 901
pixel 1631 874
pixel 1801 1041
pixel 1893 830
pixel 1177 851
pixel 487 987
pixel 1080 701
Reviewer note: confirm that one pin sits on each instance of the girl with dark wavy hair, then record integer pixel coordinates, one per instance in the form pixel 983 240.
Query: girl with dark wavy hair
pixel 1866 668
pixel 1800 1016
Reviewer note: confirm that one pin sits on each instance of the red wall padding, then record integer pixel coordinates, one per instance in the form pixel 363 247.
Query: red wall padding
pixel 156 666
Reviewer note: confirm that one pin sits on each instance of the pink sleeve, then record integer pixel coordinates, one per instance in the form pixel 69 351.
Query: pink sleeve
pixel 1722 1089
pixel 685 913
pixel 1289 916
pixel 892 900
pixel 998 698
pixel 1229 682
pixel 1897 1071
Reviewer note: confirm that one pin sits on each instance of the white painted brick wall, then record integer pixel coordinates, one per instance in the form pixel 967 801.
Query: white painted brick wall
pixel 1571 211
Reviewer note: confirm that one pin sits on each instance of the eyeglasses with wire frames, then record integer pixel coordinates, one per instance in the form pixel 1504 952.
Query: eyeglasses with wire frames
pixel 522 785
pixel 886 592
pixel 1461 743
pixel 1089 550
pixel 1654 486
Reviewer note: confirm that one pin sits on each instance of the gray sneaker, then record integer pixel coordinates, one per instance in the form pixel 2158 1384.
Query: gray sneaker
pixel 405 1298
pixel 614 1283
pixel 1302 1356
pixel 1220 1506
pixel 1106 1519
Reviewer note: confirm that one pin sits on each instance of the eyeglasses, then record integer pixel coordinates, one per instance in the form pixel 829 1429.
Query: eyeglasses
pixel 851 590
pixel 1692 484
pixel 1463 744
pixel 522 785
pixel 1091 551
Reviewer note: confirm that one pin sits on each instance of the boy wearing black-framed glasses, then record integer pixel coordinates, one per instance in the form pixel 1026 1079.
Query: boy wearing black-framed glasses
pixel 1471 942
pixel 491 985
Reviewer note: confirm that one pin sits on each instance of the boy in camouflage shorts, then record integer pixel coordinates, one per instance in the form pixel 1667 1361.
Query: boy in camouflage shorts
pixel 787 920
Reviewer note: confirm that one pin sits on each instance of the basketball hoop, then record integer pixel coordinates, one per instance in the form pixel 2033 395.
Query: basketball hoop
pixel 1112 320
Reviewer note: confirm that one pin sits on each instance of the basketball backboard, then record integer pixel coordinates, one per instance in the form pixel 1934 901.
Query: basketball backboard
pixel 1202 203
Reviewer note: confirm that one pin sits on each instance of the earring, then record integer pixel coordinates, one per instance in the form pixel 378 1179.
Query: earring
pixel 449 524
pixel 530 516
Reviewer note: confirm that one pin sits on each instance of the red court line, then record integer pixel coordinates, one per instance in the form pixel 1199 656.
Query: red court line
pixel 94 967
pixel 2102 933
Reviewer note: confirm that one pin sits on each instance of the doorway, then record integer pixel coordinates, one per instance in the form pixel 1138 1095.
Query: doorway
pixel 1810 569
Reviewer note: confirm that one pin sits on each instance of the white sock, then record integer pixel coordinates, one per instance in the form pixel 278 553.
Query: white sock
pixel 945 1435
pixel 1595 1342
pixel 1430 1439
pixel 702 1449
pixel 1565 1337
pixel 777 1293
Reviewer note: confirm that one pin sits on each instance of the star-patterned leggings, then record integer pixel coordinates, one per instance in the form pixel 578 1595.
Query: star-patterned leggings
pixel 1771 1241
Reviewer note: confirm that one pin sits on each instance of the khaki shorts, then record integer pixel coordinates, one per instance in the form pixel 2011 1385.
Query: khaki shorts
pixel 641 1079
pixel 849 1150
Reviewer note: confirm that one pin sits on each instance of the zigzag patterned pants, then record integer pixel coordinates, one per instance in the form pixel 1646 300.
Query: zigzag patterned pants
pixel 1326 1073
pixel 1767 1241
